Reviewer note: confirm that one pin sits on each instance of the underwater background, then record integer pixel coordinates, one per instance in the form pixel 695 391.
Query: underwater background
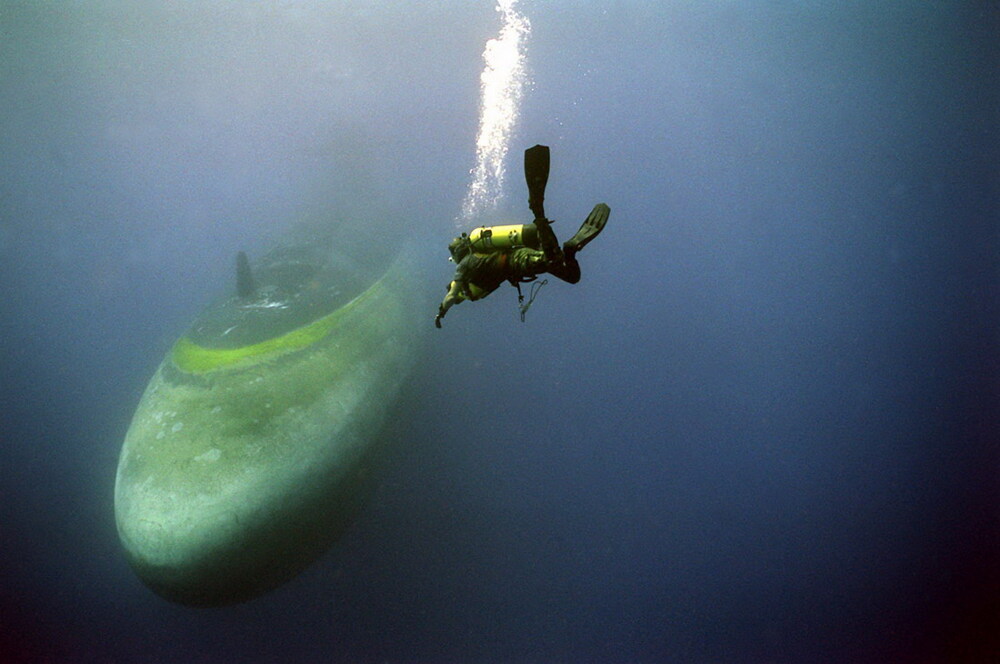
pixel 762 428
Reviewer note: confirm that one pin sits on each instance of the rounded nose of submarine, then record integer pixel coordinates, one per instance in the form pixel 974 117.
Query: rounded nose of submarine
pixel 245 461
pixel 221 558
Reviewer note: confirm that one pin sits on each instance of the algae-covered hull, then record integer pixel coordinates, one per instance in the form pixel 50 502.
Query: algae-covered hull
pixel 251 446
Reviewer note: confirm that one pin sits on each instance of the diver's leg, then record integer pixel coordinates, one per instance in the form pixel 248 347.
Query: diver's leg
pixel 527 263
pixel 566 269
pixel 559 263
pixel 547 239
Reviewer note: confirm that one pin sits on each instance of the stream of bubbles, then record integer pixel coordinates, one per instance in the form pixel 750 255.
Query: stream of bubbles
pixel 502 85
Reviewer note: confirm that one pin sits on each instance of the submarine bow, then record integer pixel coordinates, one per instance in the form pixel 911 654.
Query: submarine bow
pixel 252 446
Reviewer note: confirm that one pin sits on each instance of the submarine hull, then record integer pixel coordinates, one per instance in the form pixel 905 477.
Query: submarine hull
pixel 243 464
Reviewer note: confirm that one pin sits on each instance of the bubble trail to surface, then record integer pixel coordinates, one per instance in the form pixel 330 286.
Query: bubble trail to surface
pixel 502 86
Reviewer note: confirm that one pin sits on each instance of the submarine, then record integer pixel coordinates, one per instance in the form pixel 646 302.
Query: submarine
pixel 253 445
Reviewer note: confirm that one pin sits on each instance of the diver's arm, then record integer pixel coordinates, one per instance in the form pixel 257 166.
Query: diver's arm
pixel 454 296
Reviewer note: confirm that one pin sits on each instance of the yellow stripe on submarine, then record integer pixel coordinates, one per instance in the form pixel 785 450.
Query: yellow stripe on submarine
pixel 249 451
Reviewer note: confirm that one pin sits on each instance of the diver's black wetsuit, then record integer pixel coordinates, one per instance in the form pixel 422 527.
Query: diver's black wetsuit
pixel 485 272
pixel 477 275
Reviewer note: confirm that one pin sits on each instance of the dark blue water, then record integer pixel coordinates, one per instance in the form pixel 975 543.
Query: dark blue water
pixel 762 428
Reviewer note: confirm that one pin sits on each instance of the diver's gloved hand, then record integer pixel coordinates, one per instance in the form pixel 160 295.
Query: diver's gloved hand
pixel 437 321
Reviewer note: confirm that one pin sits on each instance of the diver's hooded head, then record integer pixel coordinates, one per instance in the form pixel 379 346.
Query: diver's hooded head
pixel 460 247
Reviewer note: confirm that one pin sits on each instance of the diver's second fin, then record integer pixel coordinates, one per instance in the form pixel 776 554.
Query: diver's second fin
pixel 245 286
pixel 590 228
pixel 536 172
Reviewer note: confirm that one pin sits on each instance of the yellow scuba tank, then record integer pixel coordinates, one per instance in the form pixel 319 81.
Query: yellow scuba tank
pixel 486 239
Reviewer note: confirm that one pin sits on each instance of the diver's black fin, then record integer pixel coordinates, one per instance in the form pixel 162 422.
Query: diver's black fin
pixel 245 286
pixel 536 172
pixel 590 228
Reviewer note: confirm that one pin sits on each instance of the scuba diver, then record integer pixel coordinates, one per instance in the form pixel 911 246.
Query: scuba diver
pixel 488 256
